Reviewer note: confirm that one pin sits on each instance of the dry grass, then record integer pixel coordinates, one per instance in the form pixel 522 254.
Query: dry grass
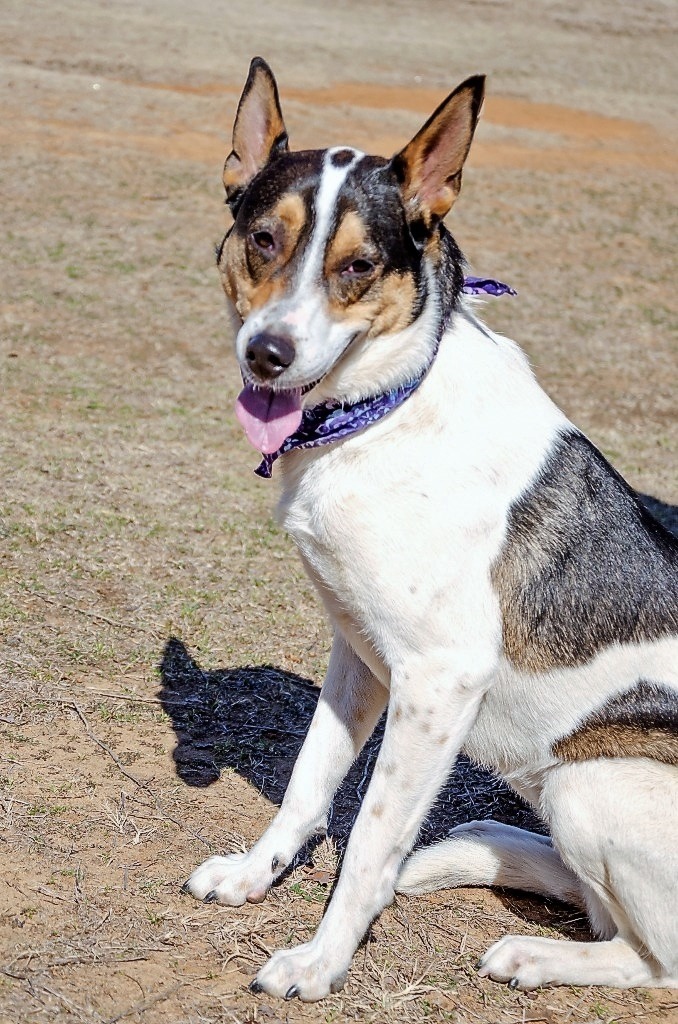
pixel 156 633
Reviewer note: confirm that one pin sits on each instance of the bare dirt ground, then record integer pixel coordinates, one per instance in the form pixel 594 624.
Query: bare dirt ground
pixel 156 633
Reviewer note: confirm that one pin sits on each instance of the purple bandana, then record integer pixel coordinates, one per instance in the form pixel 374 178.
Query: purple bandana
pixel 485 285
pixel 331 421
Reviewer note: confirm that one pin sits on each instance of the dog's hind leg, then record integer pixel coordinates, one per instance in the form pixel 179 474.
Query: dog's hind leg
pixel 491 853
pixel 614 822
pixel 349 706
pixel 527 962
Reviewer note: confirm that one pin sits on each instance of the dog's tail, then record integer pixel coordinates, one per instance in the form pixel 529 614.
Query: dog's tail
pixel 490 853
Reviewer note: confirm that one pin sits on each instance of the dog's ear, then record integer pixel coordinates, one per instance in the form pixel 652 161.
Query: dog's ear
pixel 258 133
pixel 429 167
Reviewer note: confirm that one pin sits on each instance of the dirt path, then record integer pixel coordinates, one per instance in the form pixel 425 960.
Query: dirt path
pixel 129 513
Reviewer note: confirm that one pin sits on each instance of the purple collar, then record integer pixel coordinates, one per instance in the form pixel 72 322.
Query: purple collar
pixel 330 421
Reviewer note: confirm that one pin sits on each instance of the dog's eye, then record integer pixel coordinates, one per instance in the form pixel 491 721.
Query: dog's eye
pixel 357 268
pixel 264 241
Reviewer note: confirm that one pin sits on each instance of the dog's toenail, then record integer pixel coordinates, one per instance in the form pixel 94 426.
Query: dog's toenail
pixel 292 993
pixel 211 897
pixel 513 983
pixel 479 964
pixel 185 889
pixel 274 864
pixel 255 987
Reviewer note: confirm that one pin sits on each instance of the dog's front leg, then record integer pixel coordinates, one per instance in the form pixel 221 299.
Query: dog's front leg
pixel 428 719
pixel 349 705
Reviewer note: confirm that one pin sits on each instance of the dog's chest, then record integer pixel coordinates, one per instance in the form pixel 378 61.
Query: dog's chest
pixel 330 515
pixel 397 565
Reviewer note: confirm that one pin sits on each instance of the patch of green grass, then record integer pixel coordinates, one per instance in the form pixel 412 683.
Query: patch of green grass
pixel 108 713
pixel 656 316
pixel 55 252
pixel 151 886
pixel 310 891
pixel 14 737
pixel 602 1012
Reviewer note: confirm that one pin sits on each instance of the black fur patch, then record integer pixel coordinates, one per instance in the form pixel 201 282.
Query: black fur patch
pixel 289 172
pixel 642 722
pixel 585 565
pixel 342 157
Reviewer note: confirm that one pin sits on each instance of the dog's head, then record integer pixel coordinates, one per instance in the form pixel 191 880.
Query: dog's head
pixel 337 263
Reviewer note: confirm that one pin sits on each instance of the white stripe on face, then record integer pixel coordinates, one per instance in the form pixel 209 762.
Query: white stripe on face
pixel 331 180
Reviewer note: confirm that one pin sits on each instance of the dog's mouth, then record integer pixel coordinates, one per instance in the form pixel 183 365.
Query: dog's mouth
pixel 268 417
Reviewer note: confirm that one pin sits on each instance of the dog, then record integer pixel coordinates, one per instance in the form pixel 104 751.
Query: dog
pixel 491 580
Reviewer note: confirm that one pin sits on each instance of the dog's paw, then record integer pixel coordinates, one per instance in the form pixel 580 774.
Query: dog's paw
pixel 230 881
pixel 523 962
pixel 304 972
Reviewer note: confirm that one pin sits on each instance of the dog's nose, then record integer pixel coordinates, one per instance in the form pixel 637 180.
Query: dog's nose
pixel 268 355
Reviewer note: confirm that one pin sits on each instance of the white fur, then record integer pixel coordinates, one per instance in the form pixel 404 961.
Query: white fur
pixel 398 526
pixel 491 853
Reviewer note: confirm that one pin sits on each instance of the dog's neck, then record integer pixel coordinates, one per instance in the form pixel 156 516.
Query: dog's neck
pixel 331 421
pixel 449 274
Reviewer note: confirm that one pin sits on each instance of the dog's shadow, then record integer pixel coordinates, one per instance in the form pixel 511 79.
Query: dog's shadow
pixel 253 720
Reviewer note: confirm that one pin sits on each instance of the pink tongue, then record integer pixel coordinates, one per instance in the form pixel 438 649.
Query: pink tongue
pixel 268 417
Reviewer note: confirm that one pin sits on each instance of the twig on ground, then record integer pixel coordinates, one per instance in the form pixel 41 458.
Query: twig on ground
pixel 141 785
pixel 146 1004
pixel 146 786
pixel 92 615
pixel 82 1013
pixel 100 743
pixel 138 700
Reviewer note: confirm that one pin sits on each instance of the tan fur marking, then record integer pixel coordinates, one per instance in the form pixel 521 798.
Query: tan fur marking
pixel 378 810
pixel 387 306
pixel 616 740
pixel 246 293
pixel 292 212
pixel 233 268
pixel 518 642
pixel 287 219
pixel 348 242
pixel 397 299
pixel 520 647
pixel 523 647
pixel 234 176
